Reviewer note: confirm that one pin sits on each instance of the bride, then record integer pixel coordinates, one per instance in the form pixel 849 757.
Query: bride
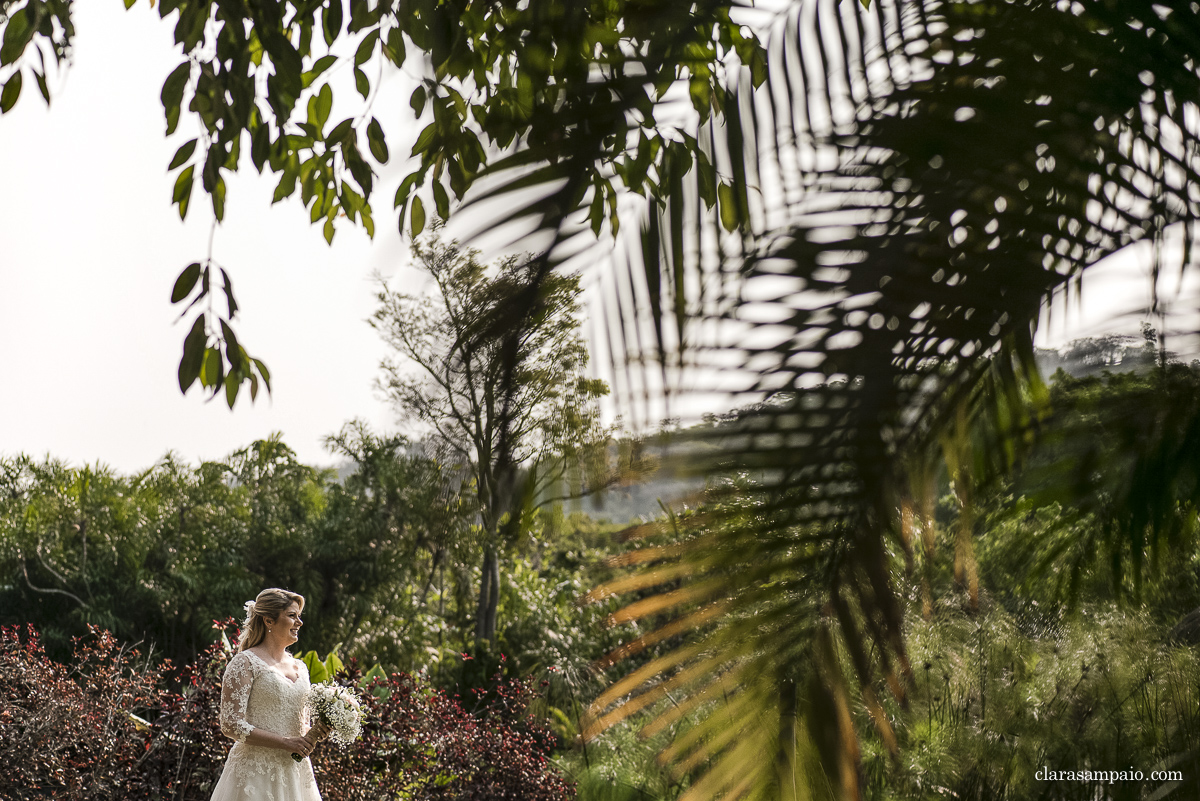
pixel 262 708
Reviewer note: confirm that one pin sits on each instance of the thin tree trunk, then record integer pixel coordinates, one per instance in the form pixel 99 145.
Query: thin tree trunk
pixel 493 607
pixel 485 595
pixel 489 597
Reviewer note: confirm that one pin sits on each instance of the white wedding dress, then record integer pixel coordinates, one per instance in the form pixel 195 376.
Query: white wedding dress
pixel 254 695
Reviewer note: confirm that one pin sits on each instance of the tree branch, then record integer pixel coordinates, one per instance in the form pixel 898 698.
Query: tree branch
pixel 50 590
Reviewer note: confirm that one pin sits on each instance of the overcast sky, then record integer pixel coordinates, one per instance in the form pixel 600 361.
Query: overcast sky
pixel 89 250
pixel 90 247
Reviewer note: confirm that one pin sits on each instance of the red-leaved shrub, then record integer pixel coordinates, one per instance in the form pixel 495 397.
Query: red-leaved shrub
pixel 423 743
pixel 69 732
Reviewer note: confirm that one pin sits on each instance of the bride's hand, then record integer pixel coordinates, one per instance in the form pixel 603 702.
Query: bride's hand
pixel 300 745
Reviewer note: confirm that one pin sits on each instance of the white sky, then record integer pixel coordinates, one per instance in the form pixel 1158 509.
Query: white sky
pixel 90 247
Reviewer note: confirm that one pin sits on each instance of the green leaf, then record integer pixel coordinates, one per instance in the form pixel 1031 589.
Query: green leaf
pixel 228 289
pixel 376 672
pixel 358 167
pixel 232 385
pixel 418 100
pixel 324 106
pixel 596 211
pixel 183 154
pixel 42 87
pixel 322 64
pixel 212 368
pixel 18 33
pixel 193 354
pixel 286 185
pixel 260 146
pixel 339 131
pixel 172 94
pixel 701 93
pixel 361 83
pixel 365 48
pixel 706 181
pixel 186 282
pixel 182 193
pixel 425 139
pixel 758 65
pixel 12 90
pixel 440 201
pixel 377 142
pixel 254 48
pixel 395 47
pixel 331 21
pixel 218 199
pixel 405 188
pixel 211 172
pixel 264 372
pixel 329 231
pixel 728 204
pixel 316 669
pixel 418 217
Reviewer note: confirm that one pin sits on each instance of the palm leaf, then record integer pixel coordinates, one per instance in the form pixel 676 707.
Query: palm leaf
pixel 892 208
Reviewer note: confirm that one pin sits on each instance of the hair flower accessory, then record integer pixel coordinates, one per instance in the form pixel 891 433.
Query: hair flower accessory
pixel 249 607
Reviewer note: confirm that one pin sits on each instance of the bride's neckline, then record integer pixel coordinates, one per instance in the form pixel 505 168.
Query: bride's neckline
pixel 273 669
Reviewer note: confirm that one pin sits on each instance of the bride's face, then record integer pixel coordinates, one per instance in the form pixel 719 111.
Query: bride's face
pixel 287 625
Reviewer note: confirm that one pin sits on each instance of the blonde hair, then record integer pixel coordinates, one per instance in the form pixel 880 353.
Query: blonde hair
pixel 269 605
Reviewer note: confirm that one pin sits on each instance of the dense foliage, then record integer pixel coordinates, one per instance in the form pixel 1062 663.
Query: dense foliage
pixel 387 558
pixel 1071 655
pixel 999 699
pixel 106 725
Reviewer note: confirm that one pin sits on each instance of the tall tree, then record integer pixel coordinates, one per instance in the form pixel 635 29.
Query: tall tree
pixel 450 377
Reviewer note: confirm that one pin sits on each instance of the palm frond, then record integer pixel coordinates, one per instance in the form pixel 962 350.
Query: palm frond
pixel 867 237
pixel 939 170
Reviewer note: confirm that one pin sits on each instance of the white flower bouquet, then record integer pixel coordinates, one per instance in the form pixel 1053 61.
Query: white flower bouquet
pixel 339 709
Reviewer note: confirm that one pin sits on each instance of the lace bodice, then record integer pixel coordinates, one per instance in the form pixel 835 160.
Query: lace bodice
pixel 256 696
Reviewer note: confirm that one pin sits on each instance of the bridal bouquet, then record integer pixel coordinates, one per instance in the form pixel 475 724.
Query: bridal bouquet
pixel 339 708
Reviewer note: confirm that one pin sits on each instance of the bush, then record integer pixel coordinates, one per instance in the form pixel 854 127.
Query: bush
pixel 80 731
pixel 68 731
pixel 422 743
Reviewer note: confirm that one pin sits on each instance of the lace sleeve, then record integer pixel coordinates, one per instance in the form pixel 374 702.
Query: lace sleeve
pixel 235 696
pixel 306 720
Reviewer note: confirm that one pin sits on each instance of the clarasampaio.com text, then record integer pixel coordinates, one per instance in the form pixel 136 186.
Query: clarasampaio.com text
pixel 1111 776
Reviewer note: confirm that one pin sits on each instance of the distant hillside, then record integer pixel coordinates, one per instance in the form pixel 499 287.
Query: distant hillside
pixel 1116 353
pixel 640 501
